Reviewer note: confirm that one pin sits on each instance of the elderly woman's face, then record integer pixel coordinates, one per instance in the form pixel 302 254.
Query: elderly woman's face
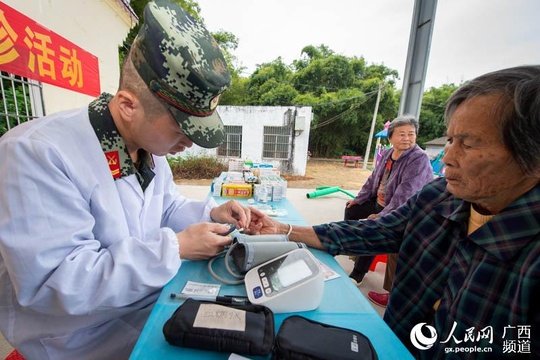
pixel 479 168
pixel 403 137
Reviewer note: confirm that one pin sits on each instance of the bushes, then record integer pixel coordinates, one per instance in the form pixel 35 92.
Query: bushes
pixel 196 167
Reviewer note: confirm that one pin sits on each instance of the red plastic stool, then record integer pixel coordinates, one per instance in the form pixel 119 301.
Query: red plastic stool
pixel 14 355
pixel 379 258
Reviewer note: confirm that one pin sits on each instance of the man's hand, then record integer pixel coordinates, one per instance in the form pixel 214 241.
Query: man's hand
pixel 233 213
pixel 202 241
pixel 350 203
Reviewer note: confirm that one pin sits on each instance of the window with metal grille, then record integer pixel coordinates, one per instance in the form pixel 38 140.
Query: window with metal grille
pixel 22 100
pixel 277 140
pixel 232 145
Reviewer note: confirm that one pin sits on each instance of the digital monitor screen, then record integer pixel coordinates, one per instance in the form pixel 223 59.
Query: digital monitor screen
pixel 283 273
pixel 289 274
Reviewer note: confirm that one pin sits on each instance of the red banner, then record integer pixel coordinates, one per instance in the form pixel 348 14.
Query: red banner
pixel 30 50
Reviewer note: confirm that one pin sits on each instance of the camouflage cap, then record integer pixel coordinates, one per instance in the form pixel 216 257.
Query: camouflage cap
pixel 182 64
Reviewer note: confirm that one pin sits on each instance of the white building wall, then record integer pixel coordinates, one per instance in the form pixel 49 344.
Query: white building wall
pixel 253 119
pixel 97 26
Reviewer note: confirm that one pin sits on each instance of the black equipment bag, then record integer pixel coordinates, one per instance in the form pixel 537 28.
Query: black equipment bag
pixel 302 339
pixel 243 329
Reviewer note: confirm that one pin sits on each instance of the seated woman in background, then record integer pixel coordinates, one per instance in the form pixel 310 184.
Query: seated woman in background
pixel 402 171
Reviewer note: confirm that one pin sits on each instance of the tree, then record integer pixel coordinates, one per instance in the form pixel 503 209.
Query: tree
pixel 191 6
pixel 345 89
pixel 228 42
pixel 431 119
pixel 269 85
pixel 236 93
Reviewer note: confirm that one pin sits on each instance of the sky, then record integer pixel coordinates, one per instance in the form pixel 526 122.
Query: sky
pixel 470 37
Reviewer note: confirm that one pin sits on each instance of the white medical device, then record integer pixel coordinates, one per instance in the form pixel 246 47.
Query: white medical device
pixel 288 283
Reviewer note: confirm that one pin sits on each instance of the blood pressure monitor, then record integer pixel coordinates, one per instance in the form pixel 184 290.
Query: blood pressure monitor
pixel 291 282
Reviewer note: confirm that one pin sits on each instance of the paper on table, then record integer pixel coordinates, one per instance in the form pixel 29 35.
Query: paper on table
pixel 201 289
pixel 328 273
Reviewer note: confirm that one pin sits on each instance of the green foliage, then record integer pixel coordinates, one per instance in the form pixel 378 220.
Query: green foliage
pixel 432 124
pixel 191 6
pixel 325 74
pixel 237 93
pixel 347 152
pixel 228 42
pixel 196 167
pixel 275 94
pixel 270 85
pixel 381 72
pixel 14 102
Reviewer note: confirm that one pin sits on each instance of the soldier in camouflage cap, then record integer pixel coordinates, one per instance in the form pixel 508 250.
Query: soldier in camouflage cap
pixel 182 64
pixel 90 193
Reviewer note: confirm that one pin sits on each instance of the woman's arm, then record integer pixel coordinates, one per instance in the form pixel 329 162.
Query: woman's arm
pixel 263 224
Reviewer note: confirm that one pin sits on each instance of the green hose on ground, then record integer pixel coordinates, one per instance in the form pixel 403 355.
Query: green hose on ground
pixel 325 190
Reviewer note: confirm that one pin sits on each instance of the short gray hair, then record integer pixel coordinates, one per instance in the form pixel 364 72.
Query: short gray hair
pixel 403 120
pixel 517 114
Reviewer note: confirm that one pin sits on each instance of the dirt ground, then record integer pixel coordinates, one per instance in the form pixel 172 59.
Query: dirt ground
pixel 318 173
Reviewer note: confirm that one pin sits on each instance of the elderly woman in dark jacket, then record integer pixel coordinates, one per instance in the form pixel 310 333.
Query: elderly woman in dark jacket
pixel 402 171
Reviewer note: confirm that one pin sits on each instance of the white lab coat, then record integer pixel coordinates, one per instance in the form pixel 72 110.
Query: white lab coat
pixel 82 256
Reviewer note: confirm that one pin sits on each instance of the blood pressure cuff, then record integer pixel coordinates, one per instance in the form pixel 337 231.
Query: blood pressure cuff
pixel 301 339
pixel 242 329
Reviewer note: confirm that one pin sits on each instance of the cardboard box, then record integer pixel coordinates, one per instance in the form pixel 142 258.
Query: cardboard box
pixel 262 193
pixel 236 165
pixel 277 187
pixel 236 190
pixel 269 172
